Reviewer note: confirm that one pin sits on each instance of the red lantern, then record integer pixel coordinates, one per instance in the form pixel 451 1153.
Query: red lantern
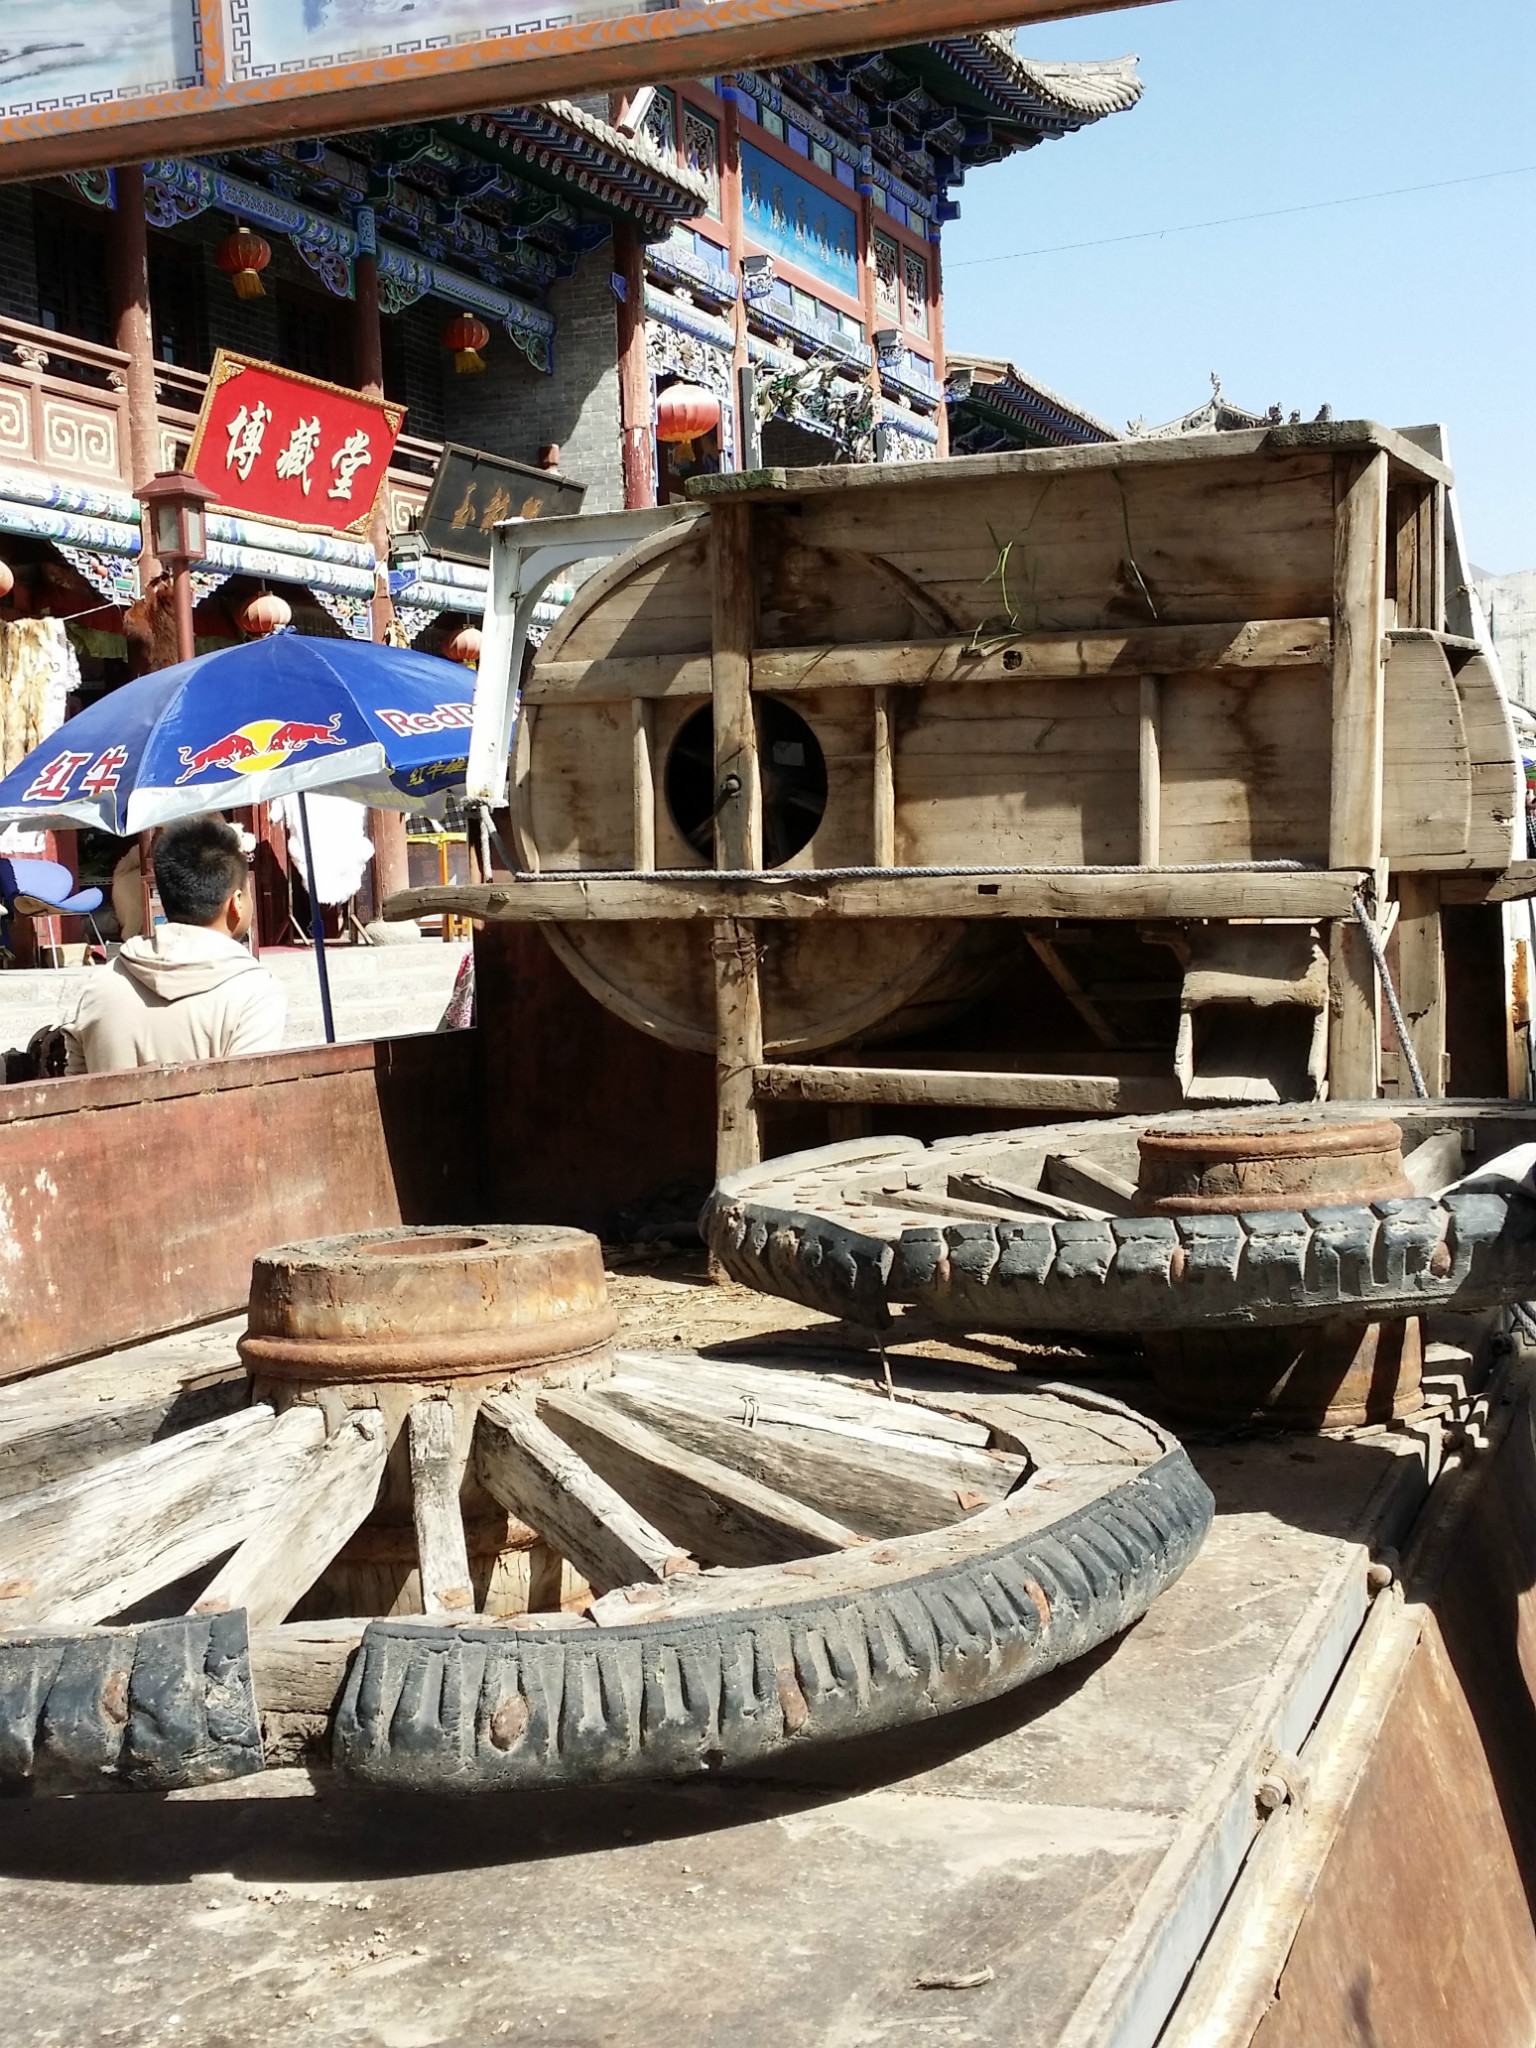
pixel 466 336
pixel 263 615
pixel 683 412
pixel 7 579
pixel 245 256
pixel 465 646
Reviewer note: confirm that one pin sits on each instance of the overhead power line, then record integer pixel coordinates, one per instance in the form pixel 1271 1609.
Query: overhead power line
pixel 1191 227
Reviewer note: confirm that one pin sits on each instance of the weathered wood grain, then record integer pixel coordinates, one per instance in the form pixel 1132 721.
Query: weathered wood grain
pixel 718 1514
pixel 540 1479
pixel 1041 892
pixel 441 1551
pixel 325 1500
pixel 1021 658
pixel 1081 1094
pixel 878 1483
pixel 91 1546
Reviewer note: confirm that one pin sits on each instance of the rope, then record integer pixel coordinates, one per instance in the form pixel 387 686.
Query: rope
pixel 1379 955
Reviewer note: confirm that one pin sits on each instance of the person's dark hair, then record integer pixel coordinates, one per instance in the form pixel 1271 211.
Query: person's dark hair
pixel 198 867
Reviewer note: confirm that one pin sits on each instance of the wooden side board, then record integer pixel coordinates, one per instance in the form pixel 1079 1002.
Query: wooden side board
pixel 135 1202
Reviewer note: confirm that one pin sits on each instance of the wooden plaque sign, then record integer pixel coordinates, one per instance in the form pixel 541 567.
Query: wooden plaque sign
pixel 278 446
pixel 92 82
pixel 473 492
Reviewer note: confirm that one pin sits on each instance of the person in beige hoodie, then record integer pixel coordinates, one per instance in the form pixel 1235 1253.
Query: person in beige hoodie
pixel 188 990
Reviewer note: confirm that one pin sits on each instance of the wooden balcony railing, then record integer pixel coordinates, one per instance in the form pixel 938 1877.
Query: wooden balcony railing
pixel 64 412
pixel 63 406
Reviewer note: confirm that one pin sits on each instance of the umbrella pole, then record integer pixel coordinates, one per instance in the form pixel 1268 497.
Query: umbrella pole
pixel 317 926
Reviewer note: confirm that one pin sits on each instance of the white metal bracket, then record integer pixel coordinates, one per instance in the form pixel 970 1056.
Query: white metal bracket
pixel 526 556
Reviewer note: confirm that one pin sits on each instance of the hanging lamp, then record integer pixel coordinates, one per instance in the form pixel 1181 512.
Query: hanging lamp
pixel 245 256
pixel 466 336
pixel 683 412
pixel 264 614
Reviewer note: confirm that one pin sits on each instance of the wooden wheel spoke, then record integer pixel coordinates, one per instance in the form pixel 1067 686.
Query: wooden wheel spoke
pixel 325 1500
pixel 436 1472
pixel 540 1479
pixel 880 1482
pixel 52 1437
pixel 722 1515
pixel 95 1544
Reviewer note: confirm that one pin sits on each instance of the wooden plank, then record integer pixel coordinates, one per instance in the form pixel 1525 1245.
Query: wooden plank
pixel 803 1384
pixel 978 1190
pixel 867 1427
pixel 1037 893
pixel 541 1480
pixel 1079 1178
pixel 1516 882
pixel 1047 776
pixel 642 735
pixel 1029 657
pixel 436 1471
pixel 738 1046
pixel 720 1515
pixel 1355 790
pixel 877 1485
pixel 1071 1094
pixel 90 1547
pixel 1244 766
pixel 859 478
pixel 1436 1162
pixel 324 1502
pixel 1426 764
pixel 1354 1014
pixel 1496 835
pixel 1421 976
pixel 299 1667
pixel 1049 956
pixel 733 619
pixel 883 833
pixel 55 1435
pixel 1149 774
pixel 1360 538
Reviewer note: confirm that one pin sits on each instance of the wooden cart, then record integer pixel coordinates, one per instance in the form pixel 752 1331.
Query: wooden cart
pixel 804 762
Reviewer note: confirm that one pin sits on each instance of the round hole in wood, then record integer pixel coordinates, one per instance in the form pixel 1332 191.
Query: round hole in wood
pixel 794 777
pixel 423 1247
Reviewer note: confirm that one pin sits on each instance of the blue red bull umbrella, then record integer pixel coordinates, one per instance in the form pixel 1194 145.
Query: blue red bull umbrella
pixel 247 725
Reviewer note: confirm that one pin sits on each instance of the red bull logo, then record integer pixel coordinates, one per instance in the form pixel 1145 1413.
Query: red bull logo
pixel 264 743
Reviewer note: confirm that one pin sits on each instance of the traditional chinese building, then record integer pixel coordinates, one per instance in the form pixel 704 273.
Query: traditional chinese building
pixel 992 406
pixel 772 238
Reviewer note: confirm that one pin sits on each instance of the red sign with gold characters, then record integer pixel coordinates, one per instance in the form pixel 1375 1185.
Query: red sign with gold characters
pixel 278 446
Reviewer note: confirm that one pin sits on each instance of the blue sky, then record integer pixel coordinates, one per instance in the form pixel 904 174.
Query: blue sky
pixel 1400 309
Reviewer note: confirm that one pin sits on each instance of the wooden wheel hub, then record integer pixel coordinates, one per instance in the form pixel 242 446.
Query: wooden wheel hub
pixel 427 1305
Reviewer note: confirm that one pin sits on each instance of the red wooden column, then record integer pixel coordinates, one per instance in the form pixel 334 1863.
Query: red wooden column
pixel 936 333
pixel 866 220
pixel 734 222
pixel 128 290
pixel 133 333
pixel 637 434
pixel 391 864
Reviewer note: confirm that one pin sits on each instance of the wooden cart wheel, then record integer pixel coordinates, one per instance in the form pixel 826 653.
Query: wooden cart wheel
pixel 696 1562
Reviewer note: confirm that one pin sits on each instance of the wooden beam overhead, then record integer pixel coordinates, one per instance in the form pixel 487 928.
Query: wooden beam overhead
pixel 228 109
